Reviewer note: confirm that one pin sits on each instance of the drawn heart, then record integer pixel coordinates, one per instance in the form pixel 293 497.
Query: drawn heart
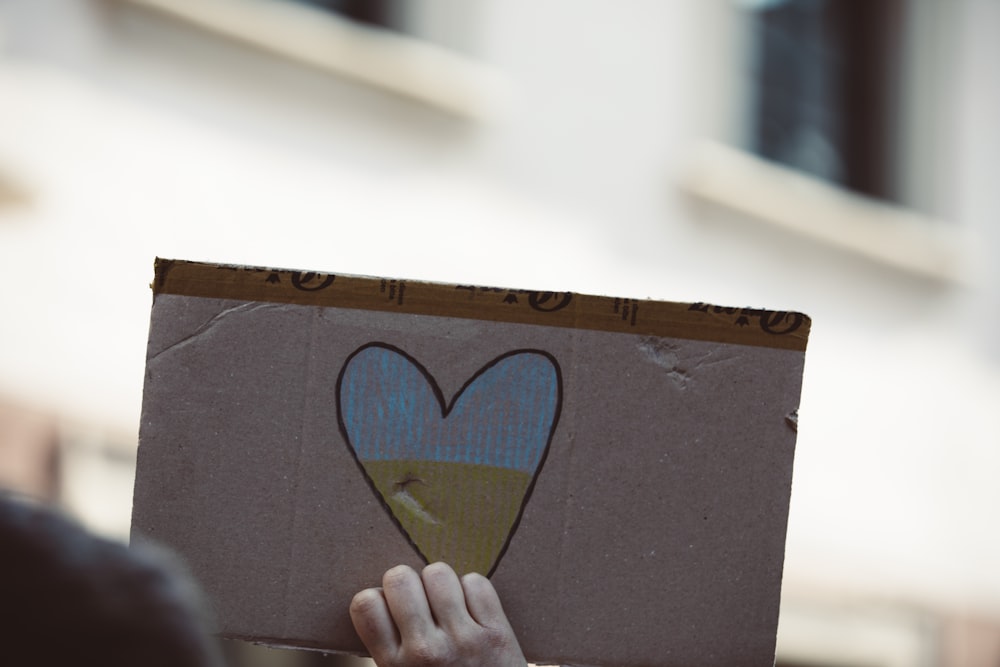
pixel 456 476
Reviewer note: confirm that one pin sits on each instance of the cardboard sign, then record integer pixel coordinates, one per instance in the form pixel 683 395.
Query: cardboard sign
pixel 621 469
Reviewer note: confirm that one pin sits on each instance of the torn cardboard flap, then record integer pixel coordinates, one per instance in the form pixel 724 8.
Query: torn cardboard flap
pixel 620 468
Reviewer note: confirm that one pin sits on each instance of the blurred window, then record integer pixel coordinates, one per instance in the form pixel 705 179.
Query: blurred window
pixel 825 84
pixel 451 25
pixel 380 13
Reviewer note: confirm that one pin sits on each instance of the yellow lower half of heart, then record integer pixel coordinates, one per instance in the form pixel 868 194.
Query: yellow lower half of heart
pixel 459 513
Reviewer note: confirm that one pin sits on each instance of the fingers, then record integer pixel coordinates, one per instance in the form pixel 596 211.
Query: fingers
pixel 404 594
pixel 374 625
pixel 395 615
pixel 446 597
pixel 482 601
pixel 435 619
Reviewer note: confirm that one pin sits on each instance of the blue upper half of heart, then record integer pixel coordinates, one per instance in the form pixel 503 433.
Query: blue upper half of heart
pixel 391 410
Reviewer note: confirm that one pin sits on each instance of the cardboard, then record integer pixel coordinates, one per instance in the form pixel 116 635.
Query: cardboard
pixel 620 468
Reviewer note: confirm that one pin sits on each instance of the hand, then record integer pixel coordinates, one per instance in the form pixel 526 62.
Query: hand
pixel 435 619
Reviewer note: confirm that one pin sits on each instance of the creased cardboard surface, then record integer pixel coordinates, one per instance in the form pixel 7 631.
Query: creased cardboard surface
pixel 653 533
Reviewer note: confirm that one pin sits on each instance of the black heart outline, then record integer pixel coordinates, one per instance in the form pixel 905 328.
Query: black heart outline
pixel 445 411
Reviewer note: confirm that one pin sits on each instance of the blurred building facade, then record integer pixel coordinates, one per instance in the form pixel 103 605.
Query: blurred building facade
pixel 688 151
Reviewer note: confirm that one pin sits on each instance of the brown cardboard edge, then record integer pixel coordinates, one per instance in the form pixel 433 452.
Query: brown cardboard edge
pixel 787 330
